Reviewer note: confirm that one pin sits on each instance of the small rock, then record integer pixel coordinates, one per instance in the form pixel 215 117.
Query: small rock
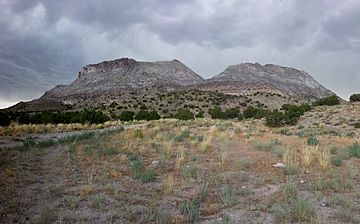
pixel 279 165
pixel 243 187
pixel 155 162
pixel 302 181
pixel 323 204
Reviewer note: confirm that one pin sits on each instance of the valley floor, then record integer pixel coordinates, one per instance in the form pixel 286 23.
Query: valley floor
pixel 202 171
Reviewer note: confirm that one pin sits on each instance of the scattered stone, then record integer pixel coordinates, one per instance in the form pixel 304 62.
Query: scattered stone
pixel 302 181
pixel 155 162
pixel 279 165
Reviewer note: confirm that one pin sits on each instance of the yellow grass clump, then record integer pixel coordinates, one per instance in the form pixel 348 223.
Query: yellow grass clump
pixel 308 153
pixel 180 158
pixel 324 157
pixel 168 184
pixel 208 137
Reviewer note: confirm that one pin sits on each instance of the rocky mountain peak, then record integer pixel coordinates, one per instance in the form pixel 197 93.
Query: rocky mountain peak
pixel 288 80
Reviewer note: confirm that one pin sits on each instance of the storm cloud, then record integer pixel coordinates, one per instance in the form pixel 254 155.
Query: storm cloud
pixel 45 43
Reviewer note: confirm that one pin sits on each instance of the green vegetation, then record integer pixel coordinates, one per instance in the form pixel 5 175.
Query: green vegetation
pixel 231 113
pixel 47 117
pixel 126 116
pixel 227 196
pixel 290 115
pixel 184 114
pixel 312 140
pixel 145 115
pixel 355 97
pixel 327 101
pixel 4 119
pixel 257 113
pixel 189 209
pixel 354 150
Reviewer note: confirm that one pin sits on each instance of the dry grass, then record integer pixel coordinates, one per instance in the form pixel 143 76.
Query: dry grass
pixel 308 153
pixel 208 137
pixel 180 158
pixel 168 184
pixel 148 176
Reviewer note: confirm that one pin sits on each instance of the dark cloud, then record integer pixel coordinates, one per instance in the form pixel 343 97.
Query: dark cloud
pixel 44 43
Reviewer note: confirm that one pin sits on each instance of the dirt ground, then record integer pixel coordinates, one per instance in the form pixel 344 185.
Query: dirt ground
pixel 202 171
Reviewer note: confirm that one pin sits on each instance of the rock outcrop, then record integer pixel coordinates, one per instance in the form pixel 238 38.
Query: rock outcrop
pixel 282 80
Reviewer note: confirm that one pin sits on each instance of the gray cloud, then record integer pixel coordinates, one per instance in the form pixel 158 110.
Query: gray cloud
pixel 44 43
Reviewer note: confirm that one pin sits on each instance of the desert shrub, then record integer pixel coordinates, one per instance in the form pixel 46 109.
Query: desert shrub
pixel 141 115
pixel 126 116
pixel 290 116
pixel 355 97
pixel 216 113
pixel 23 118
pixel 86 116
pixel 327 101
pixel 200 114
pixel 113 104
pixel 4 119
pixel 312 140
pixel 232 113
pixel 357 125
pixel 252 112
pixel 153 115
pixel 184 114
pixel 275 119
pixel 354 150
pixel 145 115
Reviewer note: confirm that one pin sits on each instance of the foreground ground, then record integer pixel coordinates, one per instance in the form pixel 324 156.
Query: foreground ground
pixel 201 171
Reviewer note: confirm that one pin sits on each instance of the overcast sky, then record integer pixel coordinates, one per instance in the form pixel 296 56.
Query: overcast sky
pixel 45 43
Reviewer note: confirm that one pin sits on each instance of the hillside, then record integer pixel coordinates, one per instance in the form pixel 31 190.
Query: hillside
pixel 128 82
pixel 248 77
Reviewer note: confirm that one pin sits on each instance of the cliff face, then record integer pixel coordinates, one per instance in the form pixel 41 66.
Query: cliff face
pixel 288 81
pixel 126 75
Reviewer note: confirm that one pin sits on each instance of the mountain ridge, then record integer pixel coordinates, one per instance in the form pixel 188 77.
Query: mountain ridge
pixel 123 78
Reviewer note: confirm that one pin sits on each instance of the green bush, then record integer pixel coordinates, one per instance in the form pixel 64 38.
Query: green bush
pixel 355 97
pixel 354 150
pixel 184 114
pixel 200 114
pixel 4 119
pixel 275 119
pixel 290 116
pixel 232 113
pixel 216 113
pixel 312 140
pixel 257 113
pixel 145 115
pixel 126 116
pixel 47 117
pixel 328 101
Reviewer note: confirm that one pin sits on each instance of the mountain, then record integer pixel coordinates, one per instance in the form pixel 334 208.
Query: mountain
pixel 249 77
pixel 124 75
pixel 129 82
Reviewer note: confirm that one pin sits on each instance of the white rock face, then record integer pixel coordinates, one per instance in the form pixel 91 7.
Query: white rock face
pixel 126 74
pixel 288 80
pixel 121 76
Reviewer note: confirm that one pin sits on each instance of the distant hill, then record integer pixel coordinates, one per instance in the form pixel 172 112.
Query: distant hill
pixel 122 79
pixel 248 78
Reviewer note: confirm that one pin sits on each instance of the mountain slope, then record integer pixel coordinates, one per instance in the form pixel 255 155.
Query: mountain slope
pixel 128 82
pixel 125 75
pixel 255 77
